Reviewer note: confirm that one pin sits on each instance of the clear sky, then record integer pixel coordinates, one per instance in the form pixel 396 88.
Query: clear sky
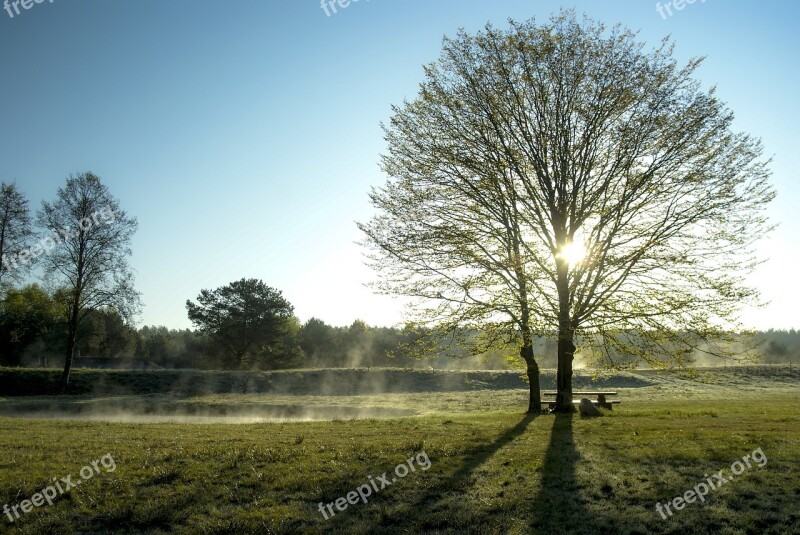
pixel 245 134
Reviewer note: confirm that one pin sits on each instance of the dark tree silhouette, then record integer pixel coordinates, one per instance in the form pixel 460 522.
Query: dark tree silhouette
pixel 246 318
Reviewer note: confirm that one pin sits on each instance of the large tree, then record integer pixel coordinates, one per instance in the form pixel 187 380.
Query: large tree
pixel 246 319
pixel 89 261
pixel 561 178
pixel 16 233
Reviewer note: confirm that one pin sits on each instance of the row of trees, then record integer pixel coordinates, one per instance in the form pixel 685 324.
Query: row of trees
pixel 245 325
pixel 33 333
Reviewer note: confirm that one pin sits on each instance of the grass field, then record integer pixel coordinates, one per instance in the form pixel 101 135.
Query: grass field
pixel 492 469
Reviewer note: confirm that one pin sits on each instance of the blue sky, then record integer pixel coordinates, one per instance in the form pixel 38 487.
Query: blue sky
pixel 244 135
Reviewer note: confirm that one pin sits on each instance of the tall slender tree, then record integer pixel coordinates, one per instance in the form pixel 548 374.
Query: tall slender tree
pixel 567 179
pixel 89 261
pixel 16 233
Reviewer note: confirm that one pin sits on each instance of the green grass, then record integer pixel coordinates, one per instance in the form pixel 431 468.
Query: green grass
pixel 493 469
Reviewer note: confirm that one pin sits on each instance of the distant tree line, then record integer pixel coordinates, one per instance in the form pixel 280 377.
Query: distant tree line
pixel 33 327
pixel 780 345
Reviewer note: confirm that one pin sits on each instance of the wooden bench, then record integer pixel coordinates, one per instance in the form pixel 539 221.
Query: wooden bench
pixel 601 400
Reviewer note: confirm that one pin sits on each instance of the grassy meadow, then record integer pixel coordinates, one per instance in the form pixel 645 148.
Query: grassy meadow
pixel 493 469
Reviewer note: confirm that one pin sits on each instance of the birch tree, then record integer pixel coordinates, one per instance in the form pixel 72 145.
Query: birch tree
pixel 88 260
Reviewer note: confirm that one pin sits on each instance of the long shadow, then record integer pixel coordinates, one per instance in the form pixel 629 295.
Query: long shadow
pixel 433 504
pixel 560 506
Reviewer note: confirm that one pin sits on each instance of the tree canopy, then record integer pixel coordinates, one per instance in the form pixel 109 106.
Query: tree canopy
pixel 561 178
pixel 247 319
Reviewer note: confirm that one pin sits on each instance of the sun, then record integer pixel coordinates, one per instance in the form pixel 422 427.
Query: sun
pixel 573 252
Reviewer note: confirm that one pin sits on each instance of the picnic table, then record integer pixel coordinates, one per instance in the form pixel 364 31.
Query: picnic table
pixel 600 400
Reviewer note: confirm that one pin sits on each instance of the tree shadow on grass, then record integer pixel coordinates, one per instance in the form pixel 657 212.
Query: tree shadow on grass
pixel 441 508
pixel 438 508
pixel 433 509
pixel 560 507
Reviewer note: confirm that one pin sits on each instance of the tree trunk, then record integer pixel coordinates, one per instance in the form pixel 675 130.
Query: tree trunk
pixel 71 342
pixel 566 350
pixel 3 246
pixel 535 400
pixel 72 338
pixel 526 352
pixel 566 346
